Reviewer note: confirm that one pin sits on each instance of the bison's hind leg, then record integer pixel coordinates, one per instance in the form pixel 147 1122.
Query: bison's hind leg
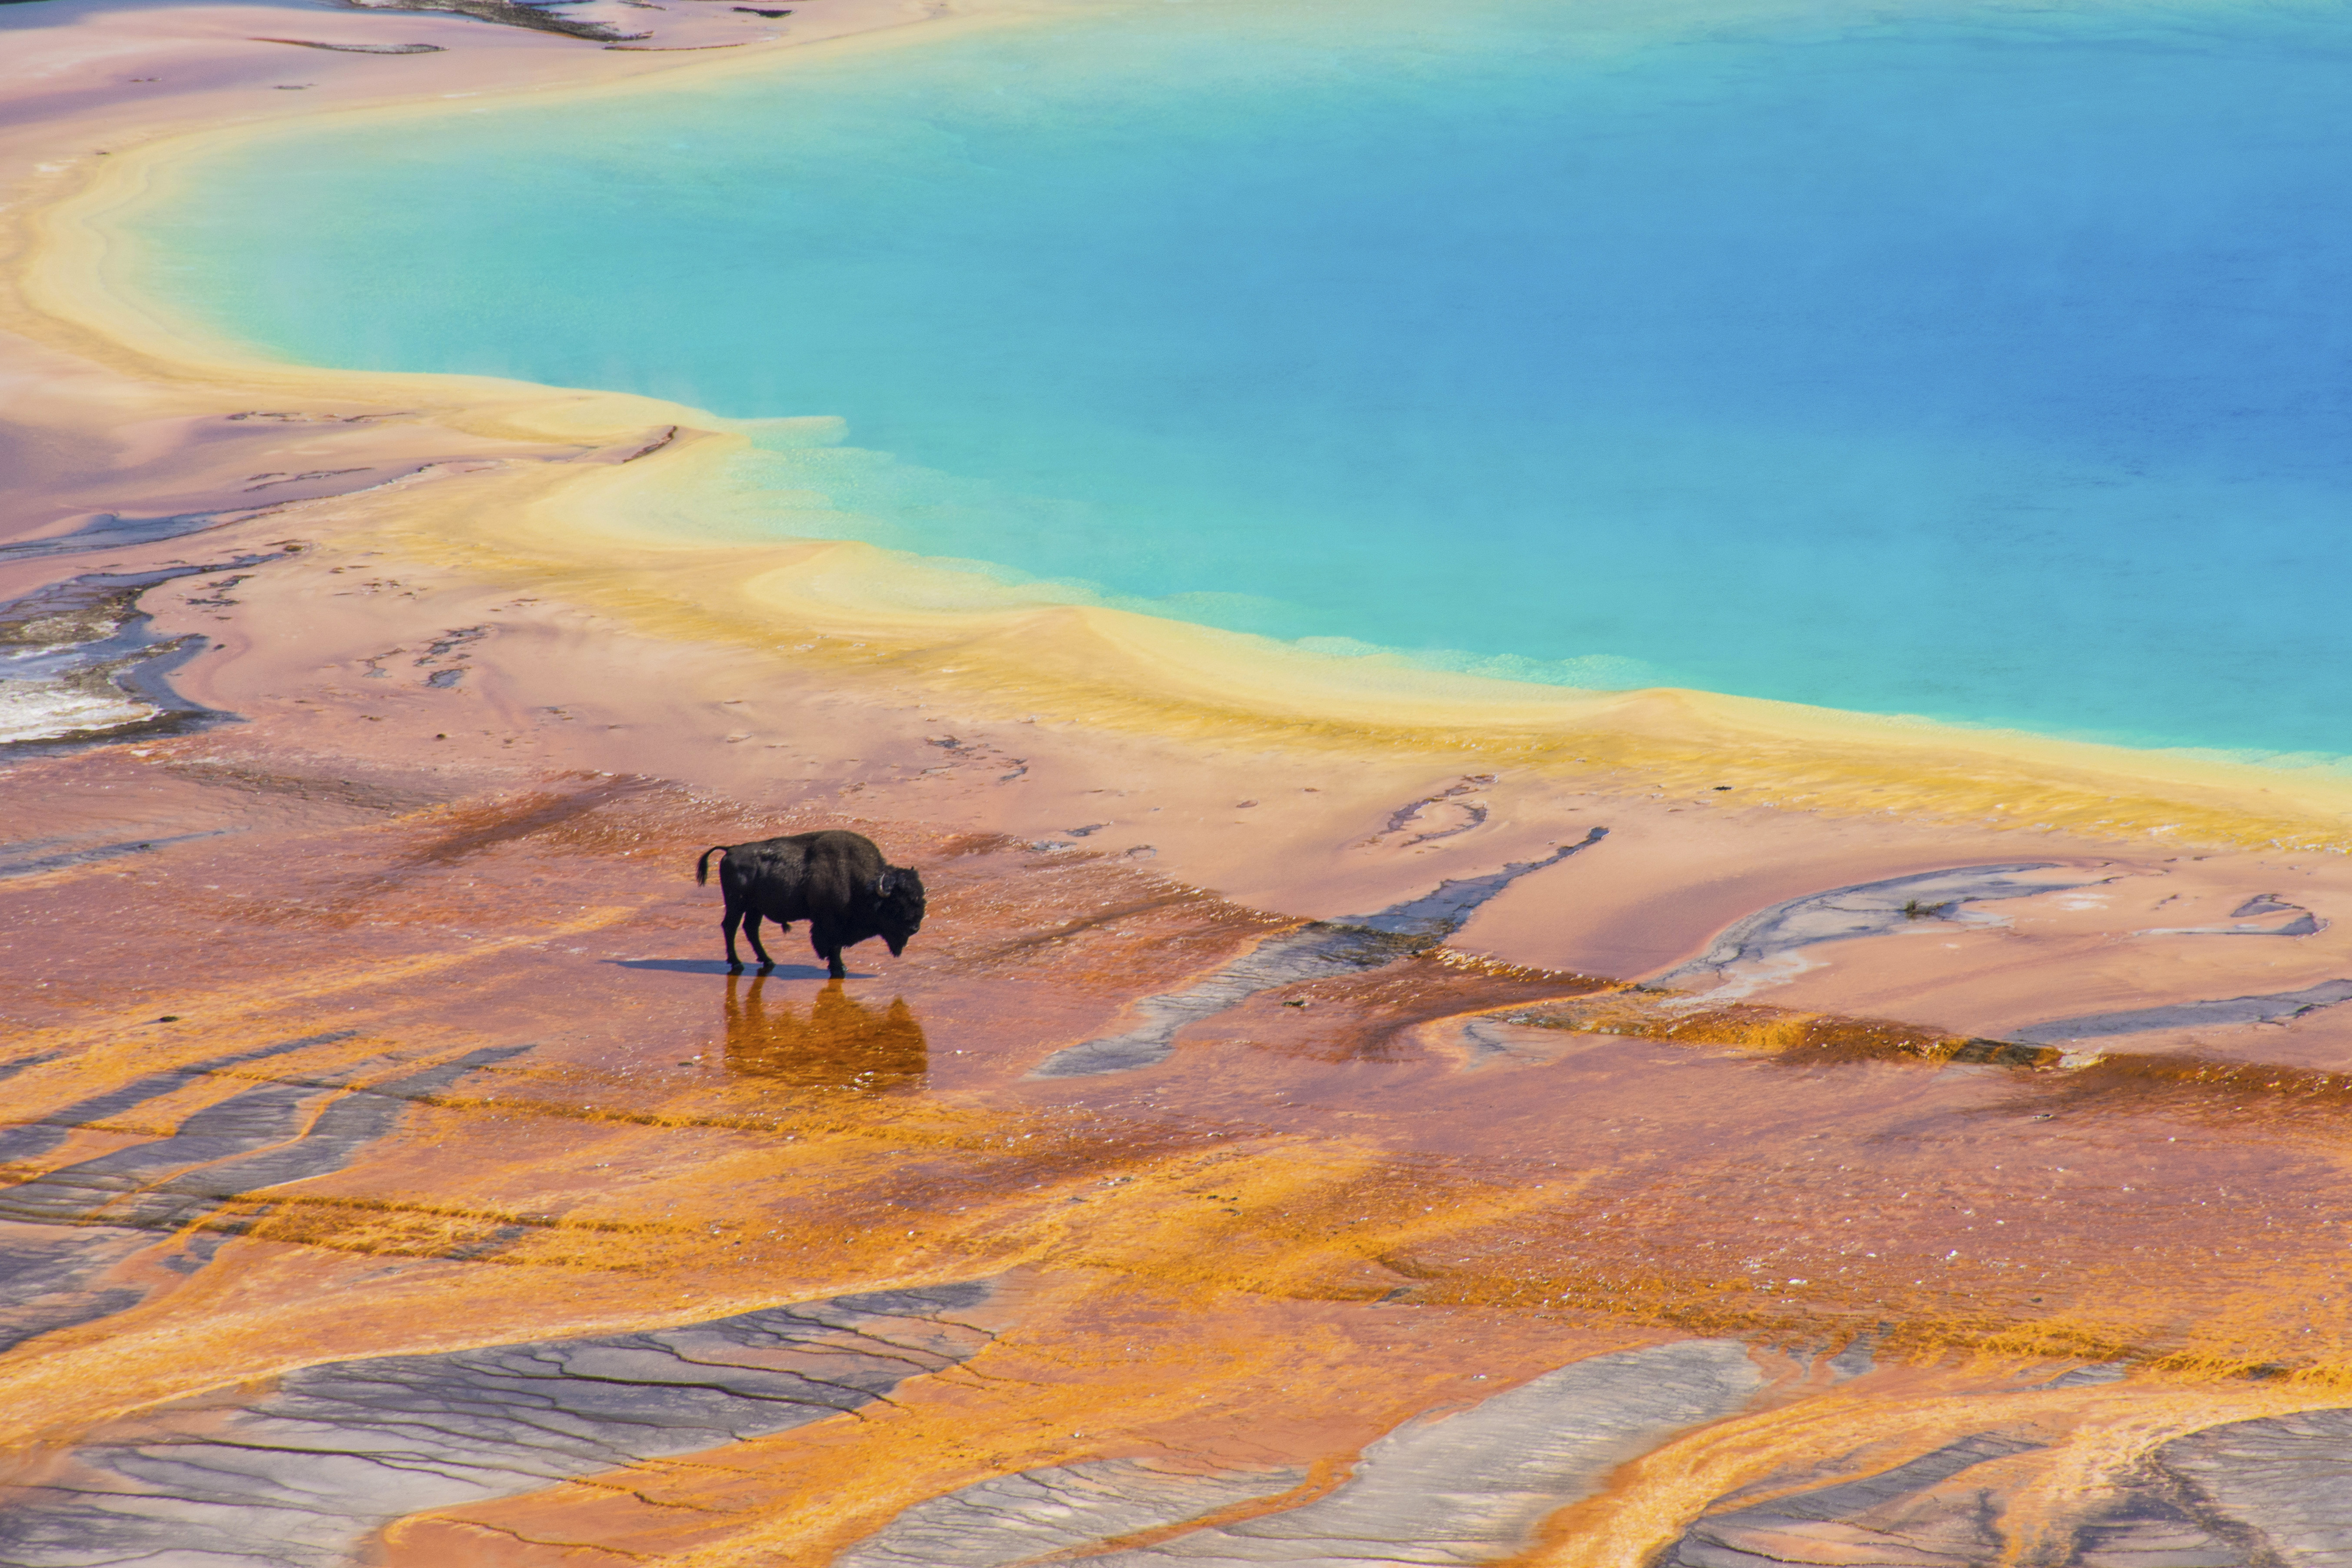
pixel 734 918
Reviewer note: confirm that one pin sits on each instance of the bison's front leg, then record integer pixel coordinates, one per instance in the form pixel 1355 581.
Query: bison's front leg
pixel 751 929
pixel 828 942
pixel 734 918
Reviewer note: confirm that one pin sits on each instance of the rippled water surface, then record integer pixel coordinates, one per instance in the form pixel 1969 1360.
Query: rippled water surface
pixel 1982 362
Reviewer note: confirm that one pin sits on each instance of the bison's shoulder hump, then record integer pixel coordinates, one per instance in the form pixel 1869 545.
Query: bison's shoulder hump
pixel 837 844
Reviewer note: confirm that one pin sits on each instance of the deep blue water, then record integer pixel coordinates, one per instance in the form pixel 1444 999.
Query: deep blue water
pixel 1992 364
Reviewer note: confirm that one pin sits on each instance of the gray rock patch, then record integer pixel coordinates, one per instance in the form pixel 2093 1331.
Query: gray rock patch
pixel 1017 1519
pixel 2305 923
pixel 2184 1015
pixel 1865 909
pixel 1875 1520
pixel 79 661
pixel 2270 1493
pixel 26 1139
pixel 1312 952
pixel 301 1475
pixel 47 1277
pixel 2287 1478
pixel 2157 1535
pixel 33 866
pixel 128 1185
pixel 112 530
pixel 1859 1355
pixel 62 1232
pixel 1474 1486
pixel 2262 904
pixel 1474 814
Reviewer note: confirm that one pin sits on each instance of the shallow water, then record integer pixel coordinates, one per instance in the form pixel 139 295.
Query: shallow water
pixel 302 1204
pixel 1984 362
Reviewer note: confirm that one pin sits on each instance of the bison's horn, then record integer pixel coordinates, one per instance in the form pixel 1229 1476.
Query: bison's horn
pixel 887 883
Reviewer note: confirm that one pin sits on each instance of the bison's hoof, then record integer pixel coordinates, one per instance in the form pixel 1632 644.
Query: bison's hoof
pixel 767 966
pixel 733 967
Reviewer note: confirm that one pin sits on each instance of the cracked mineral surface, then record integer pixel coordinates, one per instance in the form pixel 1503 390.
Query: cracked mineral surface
pixel 303 1474
pixel 1015 1519
pixel 1474 1485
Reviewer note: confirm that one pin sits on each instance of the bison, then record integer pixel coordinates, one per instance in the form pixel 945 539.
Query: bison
pixel 836 881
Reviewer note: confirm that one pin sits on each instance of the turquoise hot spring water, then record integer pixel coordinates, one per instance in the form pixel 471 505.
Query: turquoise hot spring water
pixel 1985 363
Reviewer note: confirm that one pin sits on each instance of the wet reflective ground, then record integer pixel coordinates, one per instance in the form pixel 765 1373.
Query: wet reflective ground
pixel 403 1179
pixel 831 1040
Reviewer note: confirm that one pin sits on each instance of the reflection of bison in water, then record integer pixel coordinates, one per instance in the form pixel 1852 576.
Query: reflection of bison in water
pixel 841 1044
pixel 836 881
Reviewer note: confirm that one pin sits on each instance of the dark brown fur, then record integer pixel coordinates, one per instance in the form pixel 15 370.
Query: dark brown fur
pixel 836 881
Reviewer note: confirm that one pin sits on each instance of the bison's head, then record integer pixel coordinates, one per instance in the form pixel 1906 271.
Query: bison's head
pixel 900 913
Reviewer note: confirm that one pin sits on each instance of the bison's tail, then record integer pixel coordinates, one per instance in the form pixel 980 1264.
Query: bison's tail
pixel 702 866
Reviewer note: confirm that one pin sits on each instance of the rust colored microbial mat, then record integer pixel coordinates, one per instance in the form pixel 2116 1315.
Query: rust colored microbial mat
pixel 397 1174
